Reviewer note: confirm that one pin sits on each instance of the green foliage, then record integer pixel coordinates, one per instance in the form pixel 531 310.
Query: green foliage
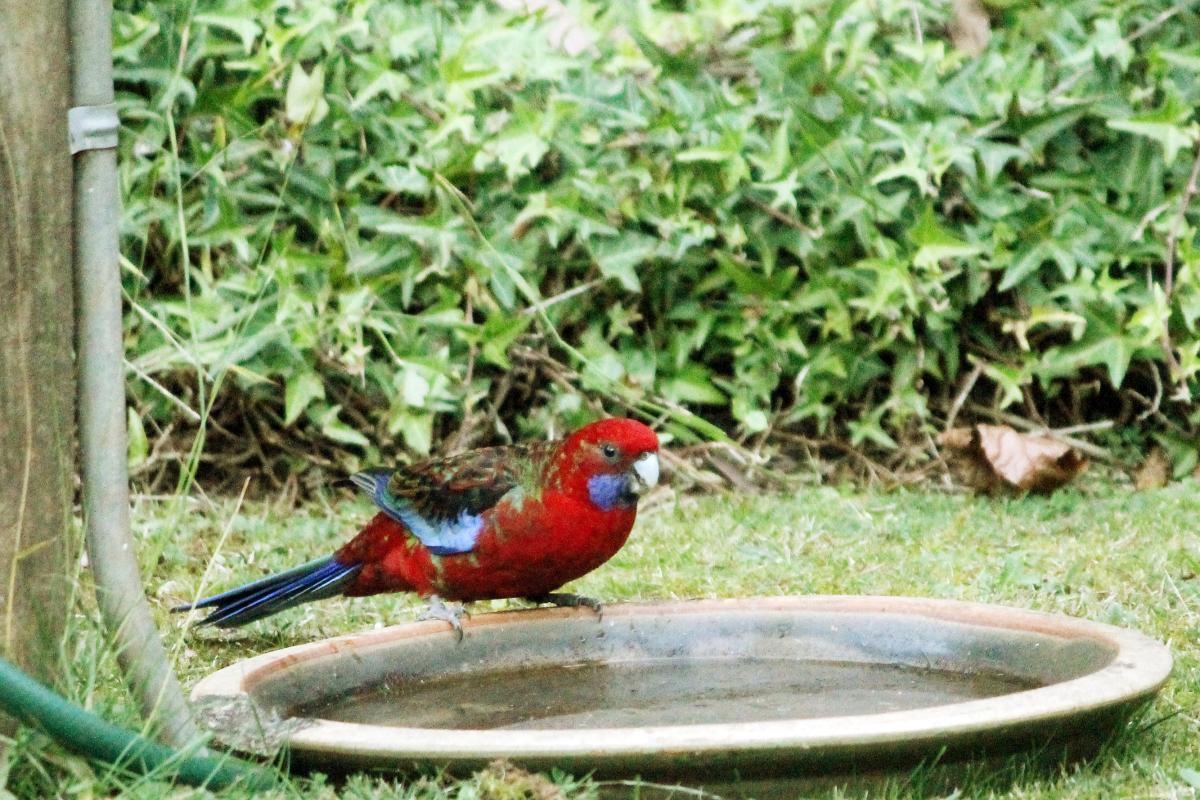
pixel 807 214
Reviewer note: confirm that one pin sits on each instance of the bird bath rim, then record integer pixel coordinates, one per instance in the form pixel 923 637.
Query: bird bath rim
pixel 1137 668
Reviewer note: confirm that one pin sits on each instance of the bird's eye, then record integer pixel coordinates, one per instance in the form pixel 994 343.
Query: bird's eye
pixel 609 451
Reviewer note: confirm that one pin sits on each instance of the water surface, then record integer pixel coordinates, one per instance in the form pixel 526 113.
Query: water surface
pixel 657 692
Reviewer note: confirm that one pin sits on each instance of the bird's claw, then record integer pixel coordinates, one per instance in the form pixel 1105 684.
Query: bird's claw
pixel 438 610
pixel 569 600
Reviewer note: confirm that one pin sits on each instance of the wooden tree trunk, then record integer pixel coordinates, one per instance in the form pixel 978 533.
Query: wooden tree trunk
pixel 37 374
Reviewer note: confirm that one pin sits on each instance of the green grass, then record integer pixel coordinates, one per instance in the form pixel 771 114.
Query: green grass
pixel 1104 552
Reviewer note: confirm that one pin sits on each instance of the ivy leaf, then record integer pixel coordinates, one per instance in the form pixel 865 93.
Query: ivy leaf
pixel 304 102
pixel 1104 343
pixel 1171 136
pixel 935 243
pixel 869 428
pixel 393 84
pixel 753 418
pixel 1165 125
pixel 1030 259
pixel 302 388
pixel 415 428
pixel 517 153
pixel 1107 42
pixel 404 180
pixel 414 387
pixel 246 30
pixel 694 384
pixel 995 155
pixel 498 335
pixel 337 430
pixel 617 257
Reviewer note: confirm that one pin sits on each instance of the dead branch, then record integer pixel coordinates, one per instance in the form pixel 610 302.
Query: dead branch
pixel 1189 191
pixel 961 397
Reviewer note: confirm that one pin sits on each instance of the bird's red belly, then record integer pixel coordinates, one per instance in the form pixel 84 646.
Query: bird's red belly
pixel 526 569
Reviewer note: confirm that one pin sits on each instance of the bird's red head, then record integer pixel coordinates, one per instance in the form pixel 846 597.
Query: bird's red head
pixel 610 463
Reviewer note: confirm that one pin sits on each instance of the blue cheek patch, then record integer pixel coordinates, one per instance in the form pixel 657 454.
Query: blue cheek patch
pixel 606 491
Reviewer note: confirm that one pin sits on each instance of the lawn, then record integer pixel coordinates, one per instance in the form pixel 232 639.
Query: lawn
pixel 1103 552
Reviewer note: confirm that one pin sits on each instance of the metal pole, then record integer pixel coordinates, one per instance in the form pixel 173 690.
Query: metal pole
pixel 101 367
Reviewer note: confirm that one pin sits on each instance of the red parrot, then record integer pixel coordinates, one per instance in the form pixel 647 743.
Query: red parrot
pixel 501 522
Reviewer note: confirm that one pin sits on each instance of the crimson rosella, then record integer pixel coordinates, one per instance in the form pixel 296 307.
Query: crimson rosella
pixel 500 522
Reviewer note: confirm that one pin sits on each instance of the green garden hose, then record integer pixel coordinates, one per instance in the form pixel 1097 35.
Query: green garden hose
pixel 88 735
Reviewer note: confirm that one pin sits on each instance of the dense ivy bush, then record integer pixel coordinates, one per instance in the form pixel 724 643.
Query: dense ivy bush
pixel 814 215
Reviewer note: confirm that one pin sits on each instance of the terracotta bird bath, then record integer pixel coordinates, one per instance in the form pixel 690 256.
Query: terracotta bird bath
pixel 687 691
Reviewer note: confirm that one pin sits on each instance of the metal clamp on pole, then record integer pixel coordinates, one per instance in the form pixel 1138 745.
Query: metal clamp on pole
pixel 92 127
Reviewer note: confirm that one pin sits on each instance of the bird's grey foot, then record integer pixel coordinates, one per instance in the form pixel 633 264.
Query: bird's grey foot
pixel 438 610
pixel 568 600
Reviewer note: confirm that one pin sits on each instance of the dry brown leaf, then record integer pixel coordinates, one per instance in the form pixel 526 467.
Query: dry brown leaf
pixel 1155 471
pixel 966 462
pixel 991 458
pixel 970 27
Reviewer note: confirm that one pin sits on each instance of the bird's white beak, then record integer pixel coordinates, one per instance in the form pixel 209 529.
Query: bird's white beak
pixel 645 473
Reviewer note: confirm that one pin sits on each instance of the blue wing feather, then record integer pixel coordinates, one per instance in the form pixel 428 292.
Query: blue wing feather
pixel 441 536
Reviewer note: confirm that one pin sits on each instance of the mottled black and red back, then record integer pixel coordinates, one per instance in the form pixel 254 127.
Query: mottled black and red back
pixel 470 482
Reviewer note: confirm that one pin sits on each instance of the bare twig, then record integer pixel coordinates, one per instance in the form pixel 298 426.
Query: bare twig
pixel 679 465
pixel 1146 219
pixel 1087 427
pixel 1157 22
pixel 877 471
pixel 1189 191
pixel 736 477
pixel 968 385
pixel 560 297
pixel 422 108
pixel 458 441
pixel 1031 407
pixel 1036 194
pixel 918 33
pixel 1153 406
pixel 781 216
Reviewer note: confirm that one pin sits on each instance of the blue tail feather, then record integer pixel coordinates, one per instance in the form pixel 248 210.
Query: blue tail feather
pixel 315 580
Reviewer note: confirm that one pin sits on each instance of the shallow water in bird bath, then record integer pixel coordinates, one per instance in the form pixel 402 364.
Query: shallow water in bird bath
pixel 658 692
pixel 779 686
